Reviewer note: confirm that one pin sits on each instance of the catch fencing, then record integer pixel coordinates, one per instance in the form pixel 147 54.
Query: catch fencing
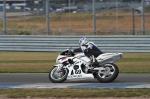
pixel 126 43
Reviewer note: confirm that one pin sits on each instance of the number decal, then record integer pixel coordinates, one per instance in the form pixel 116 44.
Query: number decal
pixel 78 72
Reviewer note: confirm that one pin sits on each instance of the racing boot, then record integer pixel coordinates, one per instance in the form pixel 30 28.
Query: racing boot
pixel 94 62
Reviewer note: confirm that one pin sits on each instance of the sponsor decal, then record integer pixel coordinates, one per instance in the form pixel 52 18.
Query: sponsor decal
pixel 75 76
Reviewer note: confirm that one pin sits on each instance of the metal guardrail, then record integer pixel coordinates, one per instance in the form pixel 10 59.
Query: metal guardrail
pixel 127 43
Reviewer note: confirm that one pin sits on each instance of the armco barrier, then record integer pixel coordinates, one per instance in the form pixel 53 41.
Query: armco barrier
pixel 118 43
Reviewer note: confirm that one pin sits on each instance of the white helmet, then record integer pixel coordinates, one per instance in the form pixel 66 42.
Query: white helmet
pixel 83 41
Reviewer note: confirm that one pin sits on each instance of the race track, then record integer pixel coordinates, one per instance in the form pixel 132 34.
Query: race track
pixel 41 80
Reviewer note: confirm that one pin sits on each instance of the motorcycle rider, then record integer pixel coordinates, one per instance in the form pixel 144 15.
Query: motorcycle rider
pixel 90 50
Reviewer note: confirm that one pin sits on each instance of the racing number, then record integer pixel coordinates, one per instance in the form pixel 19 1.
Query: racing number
pixel 78 72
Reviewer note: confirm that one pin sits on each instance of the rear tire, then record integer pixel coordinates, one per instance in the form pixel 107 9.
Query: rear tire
pixel 58 77
pixel 109 75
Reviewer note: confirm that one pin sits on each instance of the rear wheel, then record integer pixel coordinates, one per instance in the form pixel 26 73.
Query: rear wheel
pixel 108 74
pixel 56 76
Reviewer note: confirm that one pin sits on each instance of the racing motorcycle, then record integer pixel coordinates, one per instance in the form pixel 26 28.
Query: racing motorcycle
pixel 73 66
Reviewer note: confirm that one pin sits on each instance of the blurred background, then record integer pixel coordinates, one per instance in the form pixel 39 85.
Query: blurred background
pixel 75 17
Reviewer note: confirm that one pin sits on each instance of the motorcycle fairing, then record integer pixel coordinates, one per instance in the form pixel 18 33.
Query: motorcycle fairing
pixel 75 71
pixel 108 58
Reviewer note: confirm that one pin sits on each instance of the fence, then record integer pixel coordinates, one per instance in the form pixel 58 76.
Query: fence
pixel 67 31
pixel 128 43
pixel 112 18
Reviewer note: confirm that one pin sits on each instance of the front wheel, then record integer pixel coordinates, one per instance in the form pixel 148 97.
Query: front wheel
pixel 58 76
pixel 108 74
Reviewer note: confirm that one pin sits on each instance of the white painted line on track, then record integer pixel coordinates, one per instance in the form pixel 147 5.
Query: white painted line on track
pixel 140 86
pixel 82 85
pixel 46 85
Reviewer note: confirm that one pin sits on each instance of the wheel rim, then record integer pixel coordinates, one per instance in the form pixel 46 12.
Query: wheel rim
pixel 58 75
pixel 108 71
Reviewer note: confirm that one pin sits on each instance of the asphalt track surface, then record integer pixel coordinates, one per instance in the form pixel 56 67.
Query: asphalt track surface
pixel 41 80
pixel 44 78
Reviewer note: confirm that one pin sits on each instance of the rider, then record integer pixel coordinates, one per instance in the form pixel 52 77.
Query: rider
pixel 90 50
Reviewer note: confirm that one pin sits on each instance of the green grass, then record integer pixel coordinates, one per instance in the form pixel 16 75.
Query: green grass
pixel 82 93
pixel 26 62
pixel 42 62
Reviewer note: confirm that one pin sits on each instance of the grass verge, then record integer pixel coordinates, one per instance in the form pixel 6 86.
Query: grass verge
pixel 42 62
pixel 82 93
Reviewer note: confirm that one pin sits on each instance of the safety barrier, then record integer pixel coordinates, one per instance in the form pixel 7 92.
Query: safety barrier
pixel 128 43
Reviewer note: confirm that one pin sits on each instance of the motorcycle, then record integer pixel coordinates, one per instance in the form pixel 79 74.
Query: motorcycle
pixel 73 66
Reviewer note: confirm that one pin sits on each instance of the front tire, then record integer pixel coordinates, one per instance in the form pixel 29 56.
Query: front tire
pixel 109 74
pixel 58 76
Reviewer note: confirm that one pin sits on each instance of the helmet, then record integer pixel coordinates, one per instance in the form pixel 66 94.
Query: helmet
pixel 83 41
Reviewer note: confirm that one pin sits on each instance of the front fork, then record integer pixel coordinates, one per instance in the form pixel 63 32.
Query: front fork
pixel 60 66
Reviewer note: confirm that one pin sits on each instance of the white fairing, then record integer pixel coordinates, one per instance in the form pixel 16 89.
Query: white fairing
pixel 109 58
pixel 80 59
pixel 77 73
pixel 60 61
